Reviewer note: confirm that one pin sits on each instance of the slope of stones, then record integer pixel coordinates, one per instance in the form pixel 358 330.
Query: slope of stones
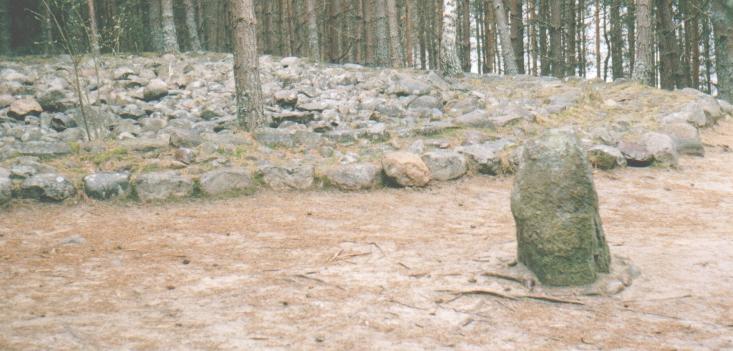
pixel 164 127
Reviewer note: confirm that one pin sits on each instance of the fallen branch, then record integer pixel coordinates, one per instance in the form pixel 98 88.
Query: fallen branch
pixel 552 299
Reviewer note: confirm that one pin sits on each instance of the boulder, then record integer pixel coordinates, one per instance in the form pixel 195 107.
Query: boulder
pixel 406 169
pixel 47 187
pixel 404 85
pixel 426 102
pixel 636 152
pixel 293 177
pixel 164 185
pixel 60 122
pixel 226 181
pixel 692 113
pixel 445 164
pixel 43 148
pixel 5 187
pixel 475 119
pixel 24 107
pixel 662 149
pixel 274 137
pixel 606 157
pixel 155 90
pixel 686 139
pixel 555 206
pixel 354 176
pixel 486 158
pixel 107 185
pixel 286 98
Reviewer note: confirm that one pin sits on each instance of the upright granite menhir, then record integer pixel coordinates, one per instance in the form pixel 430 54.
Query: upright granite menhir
pixel 555 206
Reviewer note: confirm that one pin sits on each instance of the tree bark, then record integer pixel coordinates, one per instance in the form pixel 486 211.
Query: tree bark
pixel 93 33
pixel 517 34
pixel 193 34
pixel 250 112
pixel 631 34
pixel 313 44
pixel 410 35
pixel 464 38
pixel 170 40
pixel 617 42
pixel 643 68
pixel 558 66
pixel 449 63
pixel 670 69
pixel 489 49
pixel 533 36
pixel 507 51
pixel 598 38
pixel 382 35
pixel 570 38
pixel 545 61
pixel 394 35
pixel 722 18
pixel 5 27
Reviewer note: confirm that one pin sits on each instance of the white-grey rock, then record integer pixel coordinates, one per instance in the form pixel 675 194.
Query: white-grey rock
pixel 156 89
pixel 226 181
pixel 47 187
pixel 164 185
pixel 662 148
pixel 445 164
pixel 686 138
pixel 293 177
pixel 107 185
pixel 606 157
pixel 354 176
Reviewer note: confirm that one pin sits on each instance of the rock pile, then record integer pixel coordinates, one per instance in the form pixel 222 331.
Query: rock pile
pixel 163 125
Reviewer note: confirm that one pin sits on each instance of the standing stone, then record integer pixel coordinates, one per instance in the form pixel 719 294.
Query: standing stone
pixel 555 206
pixel 406 169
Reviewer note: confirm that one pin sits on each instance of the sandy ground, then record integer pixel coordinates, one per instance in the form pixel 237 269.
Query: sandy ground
pixel 387 270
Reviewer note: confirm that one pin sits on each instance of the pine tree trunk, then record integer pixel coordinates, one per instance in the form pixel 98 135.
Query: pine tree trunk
pixel 533 36
pixel 449 63
pixel 193 34
pixel 170 40
pixel 489 48
pixel 507 51
pixel 382 34
pixel 570 38
pixel 314 45
pixel 465 35
pixel 722 18
pixel 617 42
pixel 694 43
pixel 250 111
pixel 394 35
pixel 558 66
pixel 48 46
pixel 5 27
pixel 545 60
pixel 631 34
pixel 706 37
pixel 644 43
pixel 93 33
pixel 670 69
pixel 410 32
pixel 598 38
pixel 517 34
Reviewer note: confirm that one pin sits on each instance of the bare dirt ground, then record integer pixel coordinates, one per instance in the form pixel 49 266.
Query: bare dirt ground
pixel 367 271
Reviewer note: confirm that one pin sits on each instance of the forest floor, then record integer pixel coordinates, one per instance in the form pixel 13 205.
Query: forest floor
pixel 391 269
